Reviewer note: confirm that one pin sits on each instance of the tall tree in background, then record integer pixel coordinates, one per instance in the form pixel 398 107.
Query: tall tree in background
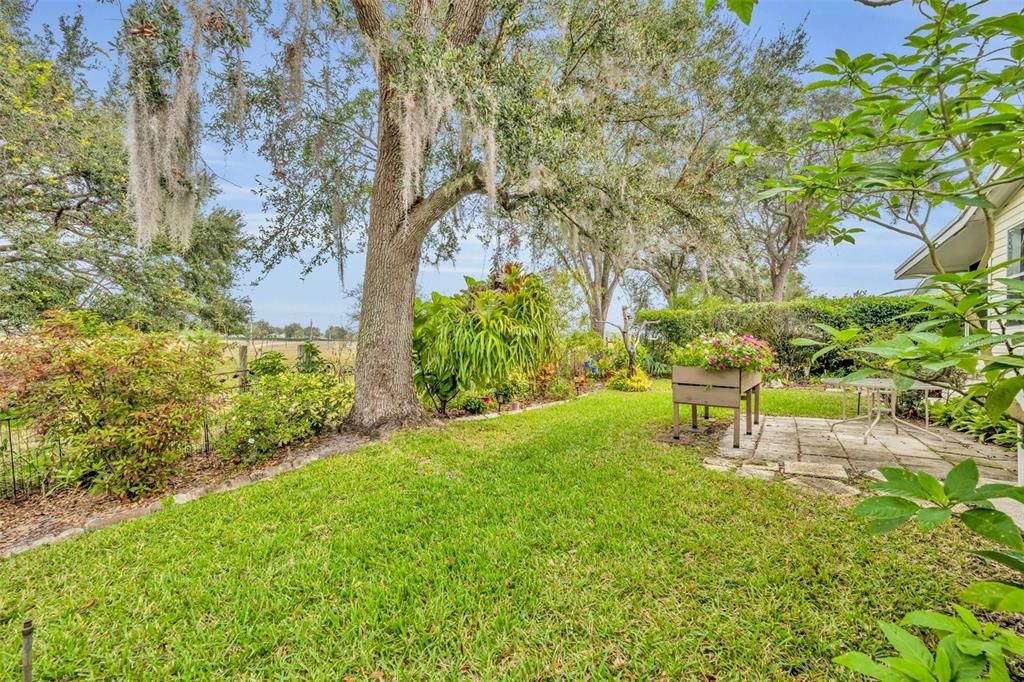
pixel 66 238
pixel 727 89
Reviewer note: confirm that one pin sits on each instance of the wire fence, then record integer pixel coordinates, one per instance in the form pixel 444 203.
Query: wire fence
pixel 33 463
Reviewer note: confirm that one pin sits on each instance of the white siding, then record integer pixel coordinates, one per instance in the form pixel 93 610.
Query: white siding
pixel 1010 215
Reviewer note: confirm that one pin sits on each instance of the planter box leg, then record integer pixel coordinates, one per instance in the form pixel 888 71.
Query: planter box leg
pixel 757 404
pixel 707 411
pixel 750 423
pixel 675 420
pixel 736 427
pixel 693 416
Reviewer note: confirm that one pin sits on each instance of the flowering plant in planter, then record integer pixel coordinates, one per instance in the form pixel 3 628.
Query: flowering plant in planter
pixel 726 351
pixel 731 351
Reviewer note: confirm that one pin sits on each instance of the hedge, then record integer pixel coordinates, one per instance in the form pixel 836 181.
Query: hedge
pixel 779 323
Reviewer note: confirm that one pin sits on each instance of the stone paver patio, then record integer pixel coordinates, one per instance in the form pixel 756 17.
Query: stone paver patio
pixel 796 444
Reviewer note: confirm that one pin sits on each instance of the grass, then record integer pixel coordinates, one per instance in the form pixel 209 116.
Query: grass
pixel 558 543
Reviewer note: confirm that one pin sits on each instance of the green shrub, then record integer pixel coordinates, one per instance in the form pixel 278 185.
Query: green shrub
pixel 123 406
pixel 778 323
pixel 282 409
pixel 560 388
pixel 964 415
pixel 310 359
pixel 620 358
pixel 473 404
pixel 621 381
pixel 268 364
pixel 516 386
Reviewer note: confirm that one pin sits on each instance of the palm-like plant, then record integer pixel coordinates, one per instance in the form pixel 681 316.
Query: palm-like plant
pixel 482 334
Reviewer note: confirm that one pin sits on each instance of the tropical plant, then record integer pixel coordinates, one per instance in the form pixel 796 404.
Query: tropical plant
pixel 123 406
pixel 962 414
pixel 474 404
pixel 936 124
pixel 482 336
pixel 280 409
pixel 967 648
pixel 949 304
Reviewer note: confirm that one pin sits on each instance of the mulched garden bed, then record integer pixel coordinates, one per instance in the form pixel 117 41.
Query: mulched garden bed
pixel 31 517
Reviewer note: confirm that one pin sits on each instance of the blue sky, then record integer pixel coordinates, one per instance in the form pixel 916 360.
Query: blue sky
pixel 284 296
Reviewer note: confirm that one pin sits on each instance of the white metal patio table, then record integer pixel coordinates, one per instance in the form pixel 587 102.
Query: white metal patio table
pixel 882 396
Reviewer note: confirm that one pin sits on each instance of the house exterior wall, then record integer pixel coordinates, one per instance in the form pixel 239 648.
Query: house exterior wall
pixel 1009 216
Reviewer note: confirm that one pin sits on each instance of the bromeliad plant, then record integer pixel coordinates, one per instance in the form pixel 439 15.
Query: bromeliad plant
pixel 967 648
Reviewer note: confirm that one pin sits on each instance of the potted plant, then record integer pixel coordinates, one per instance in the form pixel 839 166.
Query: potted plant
pixel 720 370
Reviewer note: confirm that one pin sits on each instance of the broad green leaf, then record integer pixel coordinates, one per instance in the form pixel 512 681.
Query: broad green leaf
pixel 935 621
pixel 805 342
pixel 883 526
pixel 885 507
pixel 865 665
pixel 932 517
pixel 962 479
pixel 1008 558
pixel 995 596
pixel 910 647
pixel 999 399
pixel 994 525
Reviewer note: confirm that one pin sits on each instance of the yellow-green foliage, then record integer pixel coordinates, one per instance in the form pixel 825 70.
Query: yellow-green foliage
pixel 638 383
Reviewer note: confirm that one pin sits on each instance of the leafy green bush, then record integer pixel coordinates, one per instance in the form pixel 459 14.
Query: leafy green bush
pixel 482 336
pixel 474 404
pixel 310 359
pixel 268 364
pixel 967 648
pixel 964 415
pixel 778 323
pixel 619 356
pixel 124 406
pixel 516 386
pixel 560 388
pixel 280 409
pixel 621 381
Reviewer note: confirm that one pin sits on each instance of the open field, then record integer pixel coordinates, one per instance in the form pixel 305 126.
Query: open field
pixel 565 542
pixel 338 353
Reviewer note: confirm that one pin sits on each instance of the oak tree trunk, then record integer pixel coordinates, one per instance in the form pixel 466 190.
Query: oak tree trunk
pixel 385 396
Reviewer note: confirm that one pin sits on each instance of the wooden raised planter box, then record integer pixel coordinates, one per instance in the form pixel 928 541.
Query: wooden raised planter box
pixel 728 388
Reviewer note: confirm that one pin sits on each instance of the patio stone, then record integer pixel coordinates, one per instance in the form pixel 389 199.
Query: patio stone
pixel 753 471
pixel 815 469
pixel 812 441
pixel 826 459
pixel 824 486
pixel 719 462
pixel 874 475
pixel 715 467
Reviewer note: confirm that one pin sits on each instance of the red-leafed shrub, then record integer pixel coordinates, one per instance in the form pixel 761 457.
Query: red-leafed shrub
pixel 123 405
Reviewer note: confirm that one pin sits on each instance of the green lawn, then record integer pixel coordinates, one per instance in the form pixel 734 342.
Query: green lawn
pixel 563 542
